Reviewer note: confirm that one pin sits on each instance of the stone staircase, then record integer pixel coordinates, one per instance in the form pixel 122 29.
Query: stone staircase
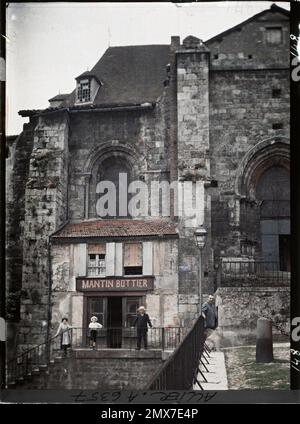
pixel 105 369
pixel 35 378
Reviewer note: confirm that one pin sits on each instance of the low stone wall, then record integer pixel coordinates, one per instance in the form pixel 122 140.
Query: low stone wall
pixel 240 307
pixel 101 370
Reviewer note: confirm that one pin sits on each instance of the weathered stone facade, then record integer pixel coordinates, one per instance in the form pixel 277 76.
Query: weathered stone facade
pixel 102 370
pixel 210 116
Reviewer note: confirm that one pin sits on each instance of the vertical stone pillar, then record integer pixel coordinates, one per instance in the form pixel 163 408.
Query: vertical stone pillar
pixel 45 211
pixel 193 161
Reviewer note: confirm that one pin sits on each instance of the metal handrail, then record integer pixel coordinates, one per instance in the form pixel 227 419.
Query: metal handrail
pixel 24 363
pixel 42 354
pixel 179 372
pixel 252 271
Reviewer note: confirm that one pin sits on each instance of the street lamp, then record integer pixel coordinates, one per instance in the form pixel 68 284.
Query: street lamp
pixel 200 235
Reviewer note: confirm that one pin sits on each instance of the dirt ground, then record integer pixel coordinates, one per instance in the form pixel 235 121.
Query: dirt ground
pixel 244 373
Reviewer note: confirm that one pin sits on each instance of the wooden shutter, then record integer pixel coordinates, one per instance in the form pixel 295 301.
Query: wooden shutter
pixel 96 249
pixel 133 254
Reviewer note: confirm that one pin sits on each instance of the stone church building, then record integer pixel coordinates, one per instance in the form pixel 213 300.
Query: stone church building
pixel 208 119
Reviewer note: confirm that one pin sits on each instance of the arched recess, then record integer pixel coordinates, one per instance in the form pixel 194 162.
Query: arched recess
pixel 269 152
pixel 104 163
pixel 262 184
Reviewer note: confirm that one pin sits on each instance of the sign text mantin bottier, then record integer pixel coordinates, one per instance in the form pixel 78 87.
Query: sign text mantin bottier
pixel 114 283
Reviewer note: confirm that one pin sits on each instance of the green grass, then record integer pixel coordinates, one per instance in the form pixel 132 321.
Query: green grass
pixel 244 373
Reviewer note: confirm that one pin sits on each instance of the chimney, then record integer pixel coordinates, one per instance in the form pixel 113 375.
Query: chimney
pixel 175 42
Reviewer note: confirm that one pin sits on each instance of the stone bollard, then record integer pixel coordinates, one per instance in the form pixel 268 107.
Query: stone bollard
pixel 264 342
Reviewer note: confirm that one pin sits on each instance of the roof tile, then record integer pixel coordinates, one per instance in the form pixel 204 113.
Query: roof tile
pixel 117 228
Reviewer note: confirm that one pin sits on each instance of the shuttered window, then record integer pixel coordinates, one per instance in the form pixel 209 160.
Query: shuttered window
pixel 133 259
pixel 133 254
pixel 97 249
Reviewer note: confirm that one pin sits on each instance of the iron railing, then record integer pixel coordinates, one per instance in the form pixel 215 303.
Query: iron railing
pixel 167 338
pixel 253 272
pixel 32 360
pixel 179 372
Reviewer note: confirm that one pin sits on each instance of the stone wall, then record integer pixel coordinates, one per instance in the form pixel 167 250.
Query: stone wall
pixel 17 169
pixel 141 138
pixel 247 46
pixel 100 370
pixel 45 211
pixel 242 111
pixel 240 308
pixel 193 168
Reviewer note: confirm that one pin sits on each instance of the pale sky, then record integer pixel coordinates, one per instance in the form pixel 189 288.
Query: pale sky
pixel 49 44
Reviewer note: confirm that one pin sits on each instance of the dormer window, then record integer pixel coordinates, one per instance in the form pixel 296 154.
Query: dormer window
pixel 84 91
pixel 87 87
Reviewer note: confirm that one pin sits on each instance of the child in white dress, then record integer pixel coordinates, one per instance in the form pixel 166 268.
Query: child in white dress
pixel 93 326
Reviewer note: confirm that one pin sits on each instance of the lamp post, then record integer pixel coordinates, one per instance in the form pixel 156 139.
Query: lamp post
pixel 200 239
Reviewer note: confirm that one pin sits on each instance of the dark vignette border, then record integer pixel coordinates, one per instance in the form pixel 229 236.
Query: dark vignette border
pixel 295 195
pixel 222 397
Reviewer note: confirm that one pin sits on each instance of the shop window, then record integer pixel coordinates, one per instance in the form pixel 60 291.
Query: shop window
pixel 133 259
pixel 96 260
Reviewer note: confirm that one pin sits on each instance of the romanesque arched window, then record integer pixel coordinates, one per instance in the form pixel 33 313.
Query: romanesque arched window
pixel 263 187
pixel 273 192
pixel 109 173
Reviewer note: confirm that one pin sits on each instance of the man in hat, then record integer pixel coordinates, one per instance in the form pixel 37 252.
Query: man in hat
pixel 141 321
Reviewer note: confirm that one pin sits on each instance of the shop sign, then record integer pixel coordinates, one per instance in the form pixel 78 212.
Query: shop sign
pixel 114 283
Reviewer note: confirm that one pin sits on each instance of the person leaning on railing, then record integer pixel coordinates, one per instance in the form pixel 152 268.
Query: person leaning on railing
pixel 65 335
pixel 210 316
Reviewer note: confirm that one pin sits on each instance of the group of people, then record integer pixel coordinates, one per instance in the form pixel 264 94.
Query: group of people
pixel 141 322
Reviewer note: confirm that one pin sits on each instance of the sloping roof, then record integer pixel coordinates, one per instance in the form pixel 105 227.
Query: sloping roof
pixel 116 228
pixel 130 75
pixel 59 97
pixel 274 8
pixel 88 74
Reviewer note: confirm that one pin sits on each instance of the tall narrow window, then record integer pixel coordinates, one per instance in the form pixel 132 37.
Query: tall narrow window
pixel 84 91
pixel 96 260
pixel 133 259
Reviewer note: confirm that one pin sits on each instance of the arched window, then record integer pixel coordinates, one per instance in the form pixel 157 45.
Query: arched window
pixel 273 191
pixel 109 188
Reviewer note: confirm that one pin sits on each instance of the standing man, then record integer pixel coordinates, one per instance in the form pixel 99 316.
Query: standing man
pixel 210 315
pixel 141 321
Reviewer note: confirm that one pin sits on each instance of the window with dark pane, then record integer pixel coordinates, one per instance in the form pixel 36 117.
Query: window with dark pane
pixel 133 259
